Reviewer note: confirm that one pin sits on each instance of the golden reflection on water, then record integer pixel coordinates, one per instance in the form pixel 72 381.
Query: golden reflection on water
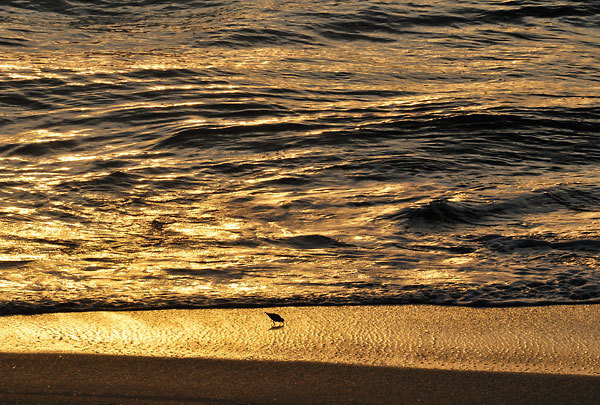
pixel 245 225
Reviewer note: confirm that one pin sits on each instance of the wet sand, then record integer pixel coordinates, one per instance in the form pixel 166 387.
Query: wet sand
pixel 93 379
pixel 370 354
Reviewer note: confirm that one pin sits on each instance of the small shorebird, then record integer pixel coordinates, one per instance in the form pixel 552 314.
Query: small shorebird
pixel 275 318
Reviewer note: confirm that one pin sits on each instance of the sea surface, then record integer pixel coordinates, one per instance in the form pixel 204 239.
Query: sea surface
pixel 198 153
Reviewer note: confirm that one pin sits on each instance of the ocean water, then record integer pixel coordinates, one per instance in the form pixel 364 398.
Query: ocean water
pixel 199 153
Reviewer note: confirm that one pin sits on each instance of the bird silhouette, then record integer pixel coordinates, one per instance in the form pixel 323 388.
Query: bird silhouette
pixel 275 318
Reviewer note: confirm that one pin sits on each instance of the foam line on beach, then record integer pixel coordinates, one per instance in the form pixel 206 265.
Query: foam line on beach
pixel 549 340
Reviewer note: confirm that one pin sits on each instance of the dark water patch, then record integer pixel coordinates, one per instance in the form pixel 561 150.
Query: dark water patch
pixel 33 83
pixel 111 164
pixel 388 20
pixel 299 204
pixel 178 74
pixel 20 100
pixel 506 244
pixel 235 168
pixel 352 36
pixel 117 178
pixel 355 284
pixel 575 199
pixel 310 242
pixel 444 212
pixel 145 116
pixel 179 183
pixel 390 167
pixel 89 94
pixel 98 8
pixel 62 243
pixel 65 215
pixel 101 259
pixel 39 148
pixel 576 120
pixel 547 11
pixel 209 136
pixel 242 110
pixel 11 41
pixel 55 6
pixel 204 273
pixel 441 212
pixel 475 139
pixel 523 36
pixel 7 184
pixel 577 281
pixel 397 20
pixel 108 183
pixel 10 264
pixel 592 245
pixel 263 36
pixel 457 249
pixel 354 93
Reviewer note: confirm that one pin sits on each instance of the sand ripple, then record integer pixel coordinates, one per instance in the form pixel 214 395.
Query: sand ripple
pixel 558 339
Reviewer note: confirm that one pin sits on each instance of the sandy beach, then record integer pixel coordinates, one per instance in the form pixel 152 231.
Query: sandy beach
pixel 362 354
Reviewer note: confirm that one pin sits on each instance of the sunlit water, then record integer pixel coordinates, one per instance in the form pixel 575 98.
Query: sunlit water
pixel 209 153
